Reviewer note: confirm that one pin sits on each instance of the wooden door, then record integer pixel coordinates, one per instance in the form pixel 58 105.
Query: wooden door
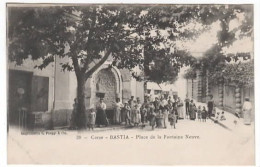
pixel 40 93
pixel 19 94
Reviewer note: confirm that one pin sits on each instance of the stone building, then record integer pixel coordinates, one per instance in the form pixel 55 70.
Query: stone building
pixel 157 90
pixel 50 92
pixel 229 97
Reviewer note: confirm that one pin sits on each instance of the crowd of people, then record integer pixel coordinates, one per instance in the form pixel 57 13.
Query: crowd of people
pixel 158 113
pixel 162 112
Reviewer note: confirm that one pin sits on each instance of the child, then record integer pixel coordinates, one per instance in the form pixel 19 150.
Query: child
pixel 217 118
pixel 193 113
pixel 199 113
pixel 137 115
pixel 222 117
pixel 204 114
pixel 172 118
pixel 138 120
pixel 127 110
pixel 159 117
pixel 92 119
pixel 151 115
pixel 144 114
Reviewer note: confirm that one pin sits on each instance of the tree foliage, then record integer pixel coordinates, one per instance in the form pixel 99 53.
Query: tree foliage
pixel 190 74
pixel 226 36
pixel 131 35
pixel 240 74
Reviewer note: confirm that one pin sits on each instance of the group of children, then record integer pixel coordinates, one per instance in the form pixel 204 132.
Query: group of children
pixel 157 113
pixel 203 115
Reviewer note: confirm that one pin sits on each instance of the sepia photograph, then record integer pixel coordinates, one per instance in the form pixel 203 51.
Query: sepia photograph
pixel 130 84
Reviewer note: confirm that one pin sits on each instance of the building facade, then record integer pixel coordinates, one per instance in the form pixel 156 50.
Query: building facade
pixel 48 94
pixel 226 96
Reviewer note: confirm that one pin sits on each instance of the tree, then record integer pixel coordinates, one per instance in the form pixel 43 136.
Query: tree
pixel 214 59
pixel 176 21
pixel 87 35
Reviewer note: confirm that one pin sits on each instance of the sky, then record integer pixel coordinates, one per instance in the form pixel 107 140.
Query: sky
pixel 206 40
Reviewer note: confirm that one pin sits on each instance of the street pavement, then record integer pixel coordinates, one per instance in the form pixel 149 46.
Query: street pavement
pixel 191 143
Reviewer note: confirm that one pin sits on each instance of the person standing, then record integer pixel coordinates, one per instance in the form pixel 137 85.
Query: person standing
pixel 92 118
pixel 165 116
pixel 131 103
pixel 192 110
pixel 204 114
pixel 131 100
pixel 101 117
pixel 117 112
pixel 172 118
pixel 210 105
pixel 187 106
pixel 127 111
pixel 164 109
pixel 156 104
pixel 171 115
pixel 170 98
pixel 175 107
pixel 180 108
pixel 73 114
pixel 247 109
pixel 144 110
pixel 164 101
pixel 199 112
pixel 152 116
pixel 136 115
pixel 139 104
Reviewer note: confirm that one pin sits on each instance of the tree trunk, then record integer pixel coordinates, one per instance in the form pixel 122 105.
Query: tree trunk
pixel 81 108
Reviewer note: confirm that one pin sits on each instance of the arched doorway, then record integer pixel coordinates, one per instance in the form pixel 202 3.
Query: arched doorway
pixel 105 82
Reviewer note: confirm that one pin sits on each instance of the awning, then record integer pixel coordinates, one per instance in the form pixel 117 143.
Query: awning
pixel 153 86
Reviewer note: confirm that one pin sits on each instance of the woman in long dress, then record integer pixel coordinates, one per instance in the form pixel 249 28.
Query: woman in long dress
pixel 180 109
pixel 127 114
pixel 192 111
pixel 132 106
pixel 247 109
pixel 101 117
pixel 136 115
pixel 151 115
pixel 187 107
pixel 117 113
pixel 210 105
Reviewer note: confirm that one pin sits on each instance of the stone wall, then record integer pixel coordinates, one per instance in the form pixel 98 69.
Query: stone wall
pixel 230 97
